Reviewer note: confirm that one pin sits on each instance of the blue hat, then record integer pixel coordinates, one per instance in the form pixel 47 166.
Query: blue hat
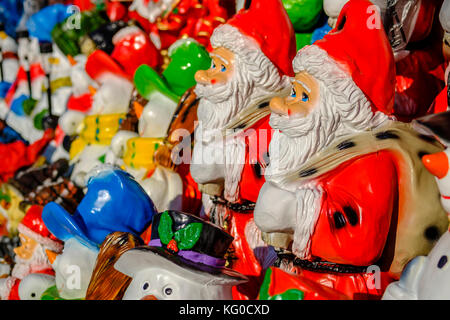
pixel 41 24
pixel 114 202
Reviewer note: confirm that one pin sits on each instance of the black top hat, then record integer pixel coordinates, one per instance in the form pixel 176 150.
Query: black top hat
pixel 102 37
pixel 187 241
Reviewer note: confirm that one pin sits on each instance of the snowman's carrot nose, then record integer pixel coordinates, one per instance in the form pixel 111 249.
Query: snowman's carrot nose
pixel 437 164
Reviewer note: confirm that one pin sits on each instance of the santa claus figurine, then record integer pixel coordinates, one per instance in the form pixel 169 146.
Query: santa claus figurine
pixel 32 256
pixel 345 187
pixel 251 63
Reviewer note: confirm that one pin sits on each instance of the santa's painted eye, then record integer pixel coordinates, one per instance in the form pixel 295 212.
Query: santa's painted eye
pixel 223 69
pixel 293 93
pixel 145 286
pixel 213 65
pixel 305 97
pixel 168 291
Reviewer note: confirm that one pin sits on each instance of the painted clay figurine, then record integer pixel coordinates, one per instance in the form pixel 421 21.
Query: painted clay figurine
pixel 135 150
pixel 114 202
pixel 111 101
pixel 31 258
pixel 184 261
pixel 426 278
pixel 338 166
pixel 306 16
pixel 251 63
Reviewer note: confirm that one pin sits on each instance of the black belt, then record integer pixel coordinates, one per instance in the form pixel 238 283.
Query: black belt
pixel 322 266
pixel 244 207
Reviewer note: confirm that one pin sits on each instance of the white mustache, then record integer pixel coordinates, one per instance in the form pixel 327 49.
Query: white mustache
pixel 293 127
pixel 215 93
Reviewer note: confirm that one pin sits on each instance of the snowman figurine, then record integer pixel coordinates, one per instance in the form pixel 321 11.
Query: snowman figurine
pixel 135 151
pixel 9 67
pixel 26 91
pixel 184 261
pixel 114 202
pixel 111 101
pixel 428 278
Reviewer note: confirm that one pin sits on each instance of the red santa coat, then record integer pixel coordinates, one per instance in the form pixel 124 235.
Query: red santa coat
pixel 358 202
pixel 356 209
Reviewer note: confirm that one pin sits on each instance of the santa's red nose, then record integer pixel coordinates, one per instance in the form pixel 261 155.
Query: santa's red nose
pixel 437 164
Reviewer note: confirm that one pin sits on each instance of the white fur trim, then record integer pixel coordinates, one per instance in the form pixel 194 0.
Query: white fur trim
pixel 122 33
pixel 334 75
pixel 46 242
pixel 232 39
pixel 328 63
pixel 6 286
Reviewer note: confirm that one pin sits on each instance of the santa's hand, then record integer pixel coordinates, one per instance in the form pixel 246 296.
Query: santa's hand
pixel 275 209
pixel 208 162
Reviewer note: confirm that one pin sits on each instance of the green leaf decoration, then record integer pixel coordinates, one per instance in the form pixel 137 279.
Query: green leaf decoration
pixel 291 294
pixel 264 290
pixel 53 294
pixel 187 237
pixel 165 228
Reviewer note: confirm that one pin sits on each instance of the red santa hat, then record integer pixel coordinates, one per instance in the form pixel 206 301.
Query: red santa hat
pixel 360 51
pixel 132 49
pixel 33 227
pixel 266 24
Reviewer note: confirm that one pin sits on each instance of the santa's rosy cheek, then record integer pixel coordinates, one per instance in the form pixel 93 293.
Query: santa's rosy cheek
pixel 213 81
pixel 289 112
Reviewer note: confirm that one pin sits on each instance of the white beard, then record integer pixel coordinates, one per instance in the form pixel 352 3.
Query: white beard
pixel 219 104
pixel 37 262
pixel 294 142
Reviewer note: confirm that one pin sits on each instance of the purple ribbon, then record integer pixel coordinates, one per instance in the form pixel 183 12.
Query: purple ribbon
pixel 193 256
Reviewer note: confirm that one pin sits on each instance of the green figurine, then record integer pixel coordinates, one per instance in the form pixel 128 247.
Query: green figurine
pixel 68 34
pixel 305 16
pixel 187 57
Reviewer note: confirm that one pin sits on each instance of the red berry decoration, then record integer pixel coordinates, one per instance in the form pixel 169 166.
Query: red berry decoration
pixel 172 246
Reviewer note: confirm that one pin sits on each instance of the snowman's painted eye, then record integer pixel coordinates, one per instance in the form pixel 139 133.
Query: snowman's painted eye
pixel 33 295
pixel 145 286
pixel 168 291
pixel 442 262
